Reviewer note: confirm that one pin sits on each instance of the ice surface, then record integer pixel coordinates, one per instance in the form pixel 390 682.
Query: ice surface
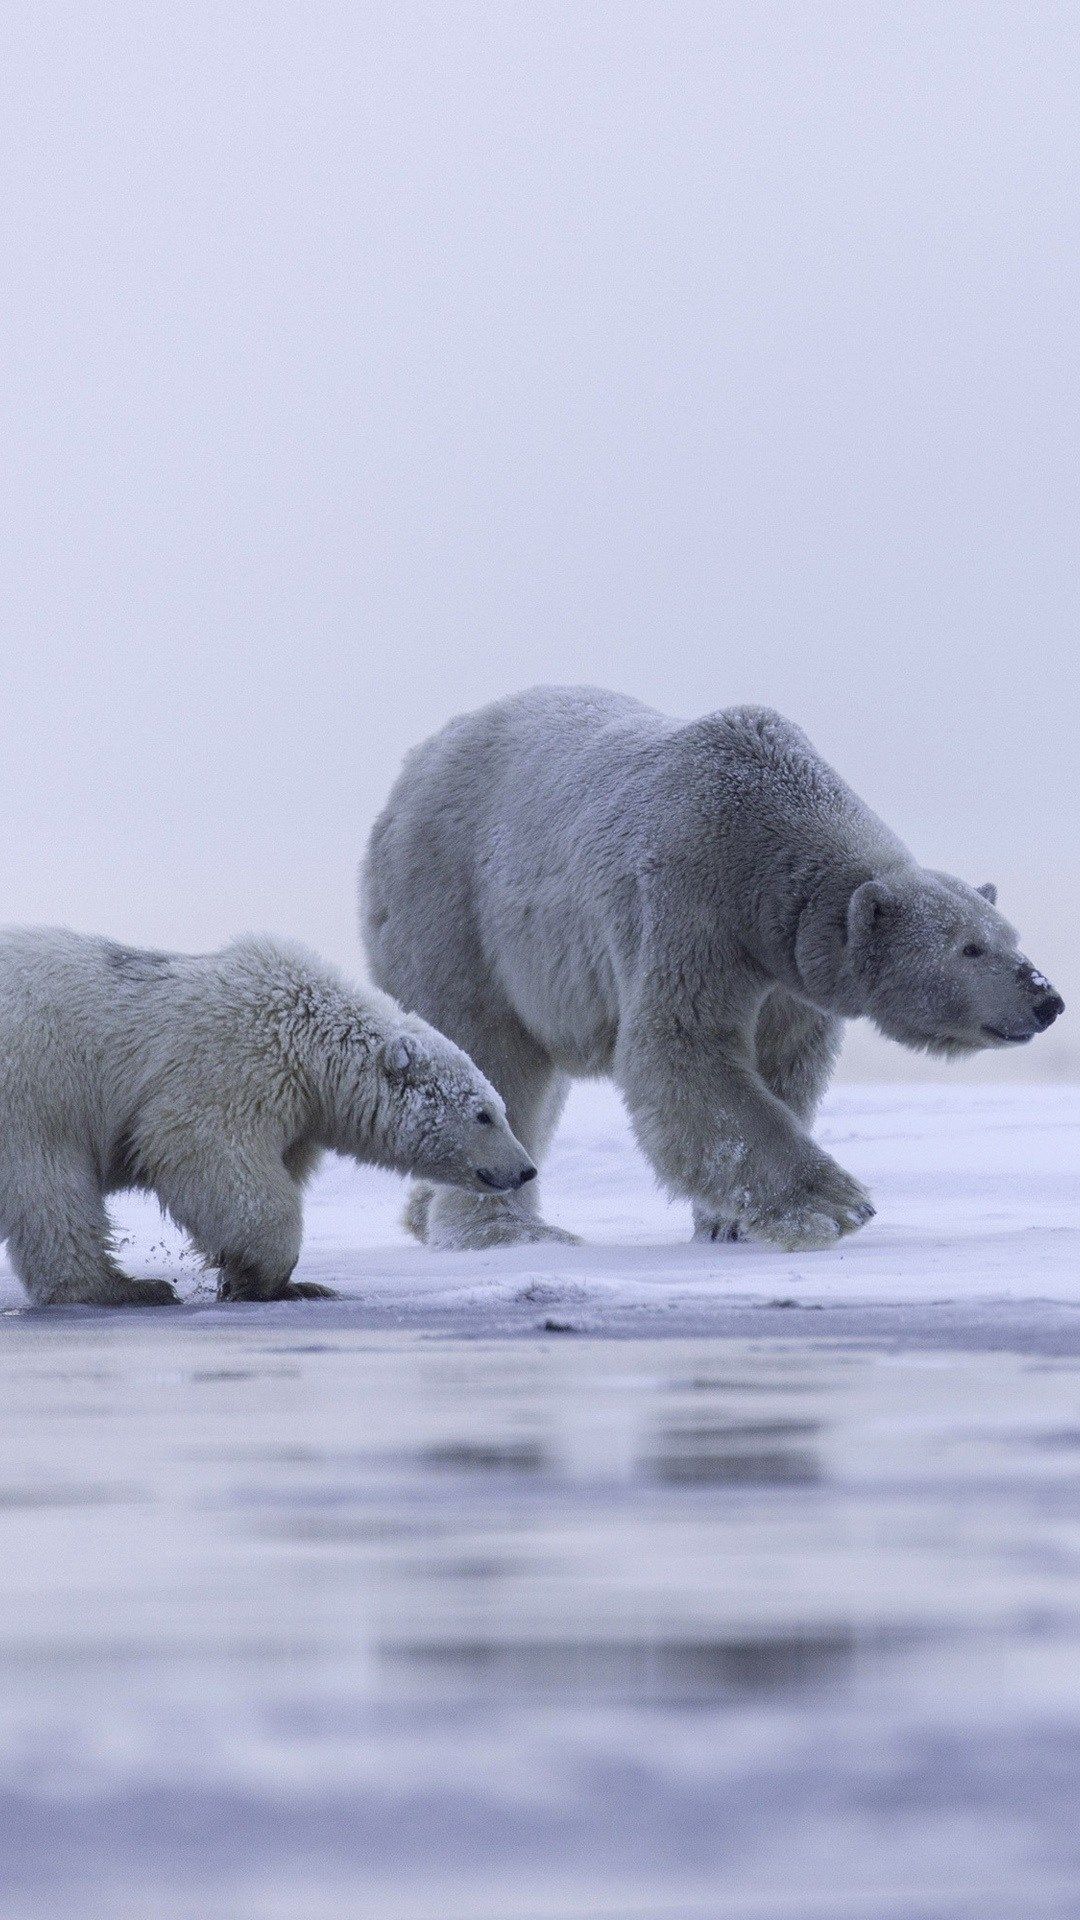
pixel 641 1578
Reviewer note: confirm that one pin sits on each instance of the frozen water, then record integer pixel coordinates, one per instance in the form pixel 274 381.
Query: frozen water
pixel 642 1578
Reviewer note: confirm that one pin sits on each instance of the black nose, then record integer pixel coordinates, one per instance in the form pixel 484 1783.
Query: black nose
pixel 529 1174
pixel 1047 1009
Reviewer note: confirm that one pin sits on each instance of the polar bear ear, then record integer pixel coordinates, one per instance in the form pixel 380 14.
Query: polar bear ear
pixel 867 911
pixel 989 892
pixel 400 1053
pixel 868 905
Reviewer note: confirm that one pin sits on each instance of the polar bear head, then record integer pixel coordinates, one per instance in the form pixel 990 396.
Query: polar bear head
pixel 442 1120
pixel 938 967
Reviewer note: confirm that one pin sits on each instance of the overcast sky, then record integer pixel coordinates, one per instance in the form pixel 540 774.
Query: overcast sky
pixel 362 362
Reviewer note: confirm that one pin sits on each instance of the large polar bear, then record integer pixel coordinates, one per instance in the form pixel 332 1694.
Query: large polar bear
pixel 214 1081
pixel 571 884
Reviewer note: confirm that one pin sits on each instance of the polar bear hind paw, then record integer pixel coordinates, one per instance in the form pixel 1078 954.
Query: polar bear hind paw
pixel 719 1231
pixel 498 1227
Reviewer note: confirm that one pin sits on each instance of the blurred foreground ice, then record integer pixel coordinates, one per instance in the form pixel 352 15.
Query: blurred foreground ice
pixel 640 1579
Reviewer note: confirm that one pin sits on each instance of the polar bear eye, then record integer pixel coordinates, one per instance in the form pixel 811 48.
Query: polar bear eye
pixel 973 951
pixel 485 1118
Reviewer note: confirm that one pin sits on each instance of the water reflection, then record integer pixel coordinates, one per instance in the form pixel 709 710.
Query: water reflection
pixel 737 1453
pixel 767 1608
pixel 488 1456
pixel 693 1671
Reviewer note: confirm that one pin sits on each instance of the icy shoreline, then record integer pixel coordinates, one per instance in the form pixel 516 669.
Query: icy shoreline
pixel 977 1192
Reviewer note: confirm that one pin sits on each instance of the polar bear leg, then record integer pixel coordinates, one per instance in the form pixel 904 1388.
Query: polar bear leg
pixel 716 1133
pixel 245 1215
pixel 417 1208
pixel 796 1049
pixel 58 1239
pixel 535 1094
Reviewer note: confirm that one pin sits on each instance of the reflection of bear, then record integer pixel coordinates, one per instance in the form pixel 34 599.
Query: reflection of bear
pixel 213 1080
pixel 570 884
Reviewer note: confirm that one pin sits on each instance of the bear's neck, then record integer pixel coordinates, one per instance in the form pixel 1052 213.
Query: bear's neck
pixel 797 884
pixel 804 946
pixel 345 1088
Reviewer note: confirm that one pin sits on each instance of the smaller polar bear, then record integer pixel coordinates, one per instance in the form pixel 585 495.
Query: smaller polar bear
pixel 214 1081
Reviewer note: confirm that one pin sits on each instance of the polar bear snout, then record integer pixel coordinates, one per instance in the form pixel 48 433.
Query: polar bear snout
pixel 1046 1003
pixel 1039 1008
pixel 504 1182
pixel 1047 1009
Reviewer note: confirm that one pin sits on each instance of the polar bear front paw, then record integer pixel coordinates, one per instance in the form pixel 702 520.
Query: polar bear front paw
pixel 151 1293
pixel 815 1212
pixel 247 1283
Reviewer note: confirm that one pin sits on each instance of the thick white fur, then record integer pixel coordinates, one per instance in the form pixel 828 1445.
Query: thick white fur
pixel 214 1081
pixel 693 908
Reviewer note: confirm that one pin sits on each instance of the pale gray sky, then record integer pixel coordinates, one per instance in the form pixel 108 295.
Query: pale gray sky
pixel 360 362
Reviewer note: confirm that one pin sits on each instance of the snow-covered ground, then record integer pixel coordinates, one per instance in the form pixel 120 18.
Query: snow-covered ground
pixel 637 1579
